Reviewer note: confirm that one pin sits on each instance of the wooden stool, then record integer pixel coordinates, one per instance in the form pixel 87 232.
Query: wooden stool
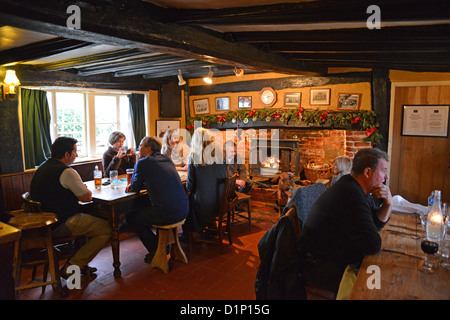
pixel 245 197
pixel 36 234
pixel 168 235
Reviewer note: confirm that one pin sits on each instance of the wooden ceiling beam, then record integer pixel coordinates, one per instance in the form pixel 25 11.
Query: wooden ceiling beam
pixel 104 22
pixel 40 50
pixel 320 11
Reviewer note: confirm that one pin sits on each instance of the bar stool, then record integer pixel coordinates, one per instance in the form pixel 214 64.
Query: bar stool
pixel 36 234
pixel 168 235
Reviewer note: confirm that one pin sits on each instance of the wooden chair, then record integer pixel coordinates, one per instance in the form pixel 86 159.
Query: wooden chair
pixel 168 235
pixel 36 234
pixel 223 220
pixel 242 197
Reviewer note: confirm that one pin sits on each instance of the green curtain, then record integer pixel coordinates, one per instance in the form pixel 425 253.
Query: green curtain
pixel 36 127
pixel 137 116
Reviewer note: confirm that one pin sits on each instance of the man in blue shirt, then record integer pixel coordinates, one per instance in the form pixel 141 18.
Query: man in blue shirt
pixel 168 200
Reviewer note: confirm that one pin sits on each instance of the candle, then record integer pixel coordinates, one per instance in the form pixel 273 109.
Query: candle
pixel 436 218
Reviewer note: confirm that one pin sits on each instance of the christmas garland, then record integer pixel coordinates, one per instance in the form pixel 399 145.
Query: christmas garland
pixel 364 120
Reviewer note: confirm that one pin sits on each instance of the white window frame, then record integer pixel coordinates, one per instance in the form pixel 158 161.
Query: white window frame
pixel 90 116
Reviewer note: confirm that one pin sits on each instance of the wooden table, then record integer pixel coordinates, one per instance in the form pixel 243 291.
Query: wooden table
pixel 400 277
pixel 112 204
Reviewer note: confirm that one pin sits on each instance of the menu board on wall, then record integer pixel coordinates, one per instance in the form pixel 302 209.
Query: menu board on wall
pixel 431 121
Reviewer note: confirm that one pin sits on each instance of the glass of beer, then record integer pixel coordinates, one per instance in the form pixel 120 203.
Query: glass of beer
pixel 129 175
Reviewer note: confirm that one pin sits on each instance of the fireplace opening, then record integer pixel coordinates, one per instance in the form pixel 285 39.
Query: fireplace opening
pixel 268 160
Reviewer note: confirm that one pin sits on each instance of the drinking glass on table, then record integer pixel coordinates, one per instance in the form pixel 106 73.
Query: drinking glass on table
pixel 445 243
pixel 114 179
pixel 430 248
pixel 129 175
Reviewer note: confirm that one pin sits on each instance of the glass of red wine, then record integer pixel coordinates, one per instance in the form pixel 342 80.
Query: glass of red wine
pixel 430 248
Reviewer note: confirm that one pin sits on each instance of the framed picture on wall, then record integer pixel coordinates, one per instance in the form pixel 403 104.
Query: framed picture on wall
pixel 245 102
pixel 201 106
pixel 292 99
pixel 319 97
pixel 222 103
pixel 348 101
pixel 163 125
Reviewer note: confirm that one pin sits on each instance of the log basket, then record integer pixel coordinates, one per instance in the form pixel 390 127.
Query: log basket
pixel 318 169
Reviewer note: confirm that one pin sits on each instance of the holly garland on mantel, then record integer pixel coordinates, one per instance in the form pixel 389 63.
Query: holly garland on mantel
pixel 358 120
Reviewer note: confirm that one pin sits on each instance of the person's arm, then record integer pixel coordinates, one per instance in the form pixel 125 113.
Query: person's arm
pixel 138 179
pixel 110 162
pixel 191 180
pixel 70 179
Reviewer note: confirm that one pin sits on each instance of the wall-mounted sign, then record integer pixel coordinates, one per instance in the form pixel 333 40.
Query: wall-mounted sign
pixel 428 121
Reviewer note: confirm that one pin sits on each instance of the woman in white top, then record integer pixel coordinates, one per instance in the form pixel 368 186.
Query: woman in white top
pixel 176 149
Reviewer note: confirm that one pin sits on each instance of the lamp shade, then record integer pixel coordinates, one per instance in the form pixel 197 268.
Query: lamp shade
pixel 181 81
pixel 208 78
pixel 11 81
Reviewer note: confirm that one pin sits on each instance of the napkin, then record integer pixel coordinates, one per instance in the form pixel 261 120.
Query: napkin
pixel 401 205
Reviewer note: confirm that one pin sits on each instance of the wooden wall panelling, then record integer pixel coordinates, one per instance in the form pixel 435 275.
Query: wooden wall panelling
pixel 14 185
pixel 419 164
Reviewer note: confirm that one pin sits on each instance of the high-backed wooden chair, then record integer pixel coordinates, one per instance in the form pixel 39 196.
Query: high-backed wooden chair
pixel 242 197
pixel 223 220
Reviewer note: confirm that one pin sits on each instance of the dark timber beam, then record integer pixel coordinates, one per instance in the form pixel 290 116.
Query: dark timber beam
pixel 135 25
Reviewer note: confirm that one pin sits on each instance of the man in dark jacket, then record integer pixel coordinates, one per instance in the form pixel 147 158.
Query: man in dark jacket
pixel 343 223
pixel 59 188
pixel 168 200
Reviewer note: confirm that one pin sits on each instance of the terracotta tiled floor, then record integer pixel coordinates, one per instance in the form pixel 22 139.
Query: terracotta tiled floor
pixel 209 275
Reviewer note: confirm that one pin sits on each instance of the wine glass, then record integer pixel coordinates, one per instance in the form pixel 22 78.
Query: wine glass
pixel 430 248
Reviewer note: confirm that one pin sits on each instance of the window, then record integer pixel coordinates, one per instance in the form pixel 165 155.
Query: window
pixel 90 118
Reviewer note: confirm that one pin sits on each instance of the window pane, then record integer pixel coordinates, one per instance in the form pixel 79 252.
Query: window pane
pixel 105 121
pixel 70 118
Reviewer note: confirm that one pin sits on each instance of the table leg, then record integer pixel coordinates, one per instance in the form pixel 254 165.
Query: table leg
pixel 115 243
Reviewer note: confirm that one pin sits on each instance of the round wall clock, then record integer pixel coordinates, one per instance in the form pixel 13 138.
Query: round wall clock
pixel 268 97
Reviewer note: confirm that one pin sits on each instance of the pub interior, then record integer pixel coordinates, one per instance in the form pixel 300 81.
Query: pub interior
pixel 317 79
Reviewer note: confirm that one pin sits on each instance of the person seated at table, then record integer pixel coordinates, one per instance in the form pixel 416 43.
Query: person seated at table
pixel 168 200
pixel 116 157
pixel 59 188
pixel 343 223
pixel 235 164
pixel 174 146
pixel 341 166
pixel 205 180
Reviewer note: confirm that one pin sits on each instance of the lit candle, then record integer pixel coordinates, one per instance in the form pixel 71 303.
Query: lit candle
pixel 436 218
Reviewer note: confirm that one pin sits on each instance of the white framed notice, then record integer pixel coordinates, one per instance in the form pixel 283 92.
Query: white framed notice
pixel 427 121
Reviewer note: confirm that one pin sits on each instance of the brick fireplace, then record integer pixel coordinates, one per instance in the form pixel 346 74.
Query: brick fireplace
pixel 297 146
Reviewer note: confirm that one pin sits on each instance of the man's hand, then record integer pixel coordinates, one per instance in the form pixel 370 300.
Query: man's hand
pixel 128 188
pixel 240 183
pixel 383 192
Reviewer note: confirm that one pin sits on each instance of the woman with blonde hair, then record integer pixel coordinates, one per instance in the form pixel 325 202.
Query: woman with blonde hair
pixel 341 166
pixel 205 180
pixel 174 146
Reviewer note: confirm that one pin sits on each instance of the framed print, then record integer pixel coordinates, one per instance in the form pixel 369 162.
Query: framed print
pixel 163 125
pixel 349 101
pixel 319 97
pixel 245 102
pixel 292 99
pixel 426 121
pixel 201 106
pixel 222 103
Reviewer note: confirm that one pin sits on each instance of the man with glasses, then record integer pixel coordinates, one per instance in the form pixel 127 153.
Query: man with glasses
pixel 168 200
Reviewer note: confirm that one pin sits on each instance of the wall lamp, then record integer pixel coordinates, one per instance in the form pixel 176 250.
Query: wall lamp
pixel 208 78
pixel 181 81
pixel 10 84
